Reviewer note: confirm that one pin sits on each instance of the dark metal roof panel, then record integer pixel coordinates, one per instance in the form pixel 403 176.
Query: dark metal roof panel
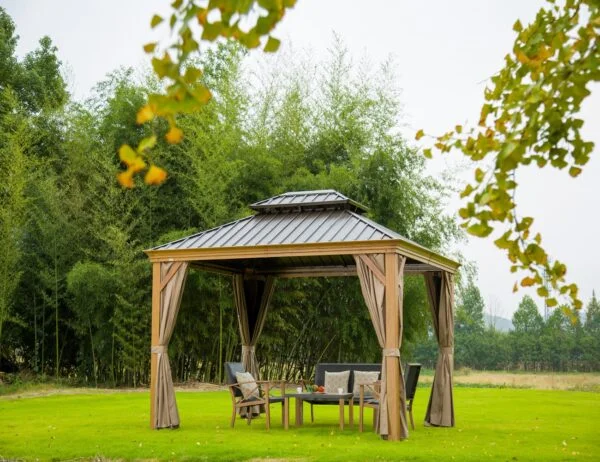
pixel 287 228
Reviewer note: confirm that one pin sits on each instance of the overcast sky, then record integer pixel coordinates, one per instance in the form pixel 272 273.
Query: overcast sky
pixel 444 50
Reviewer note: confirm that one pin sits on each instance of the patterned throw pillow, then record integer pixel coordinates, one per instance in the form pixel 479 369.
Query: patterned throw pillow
pixel 335 380
pixel 247 384
pixel 364 378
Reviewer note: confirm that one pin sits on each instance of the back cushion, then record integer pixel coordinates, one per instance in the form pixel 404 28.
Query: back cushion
pixel 364 378
pixel 335 380
pixel 247 384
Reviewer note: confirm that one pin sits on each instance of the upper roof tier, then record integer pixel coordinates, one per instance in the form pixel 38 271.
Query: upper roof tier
pixel 308 201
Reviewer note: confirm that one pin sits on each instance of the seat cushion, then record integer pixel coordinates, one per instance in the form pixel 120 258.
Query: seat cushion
pixel 364 378
pixel 335 380
pixel 247 384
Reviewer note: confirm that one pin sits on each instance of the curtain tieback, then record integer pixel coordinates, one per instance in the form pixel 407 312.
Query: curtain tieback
pixel 158 349
pixel 387 352
pixel 447 350
pixel 247 349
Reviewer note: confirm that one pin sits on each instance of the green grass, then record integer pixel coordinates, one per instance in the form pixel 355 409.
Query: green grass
pixel 492 424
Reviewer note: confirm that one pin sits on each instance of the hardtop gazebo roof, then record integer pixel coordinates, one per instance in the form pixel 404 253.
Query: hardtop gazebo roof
pixel 303 229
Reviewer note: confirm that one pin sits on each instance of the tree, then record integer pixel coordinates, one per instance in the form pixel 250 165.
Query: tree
pixel 527 318
pixel 592 319
pixel 530 117
pixel 469 313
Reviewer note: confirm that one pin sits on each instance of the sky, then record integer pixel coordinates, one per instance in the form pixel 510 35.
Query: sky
pixel 444 51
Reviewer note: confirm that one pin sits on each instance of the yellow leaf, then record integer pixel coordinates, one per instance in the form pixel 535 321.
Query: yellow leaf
pixel 527 282
pixel 419 135
pixel 155 175
pixel 574 171
pixel 137 165
pixel 147 143
pixel 515 288
pixel 149 47
pixel 127 155
pixel 125 179
pixel 272 45
pixel 156 20
pixel 174 135
pixel 144 114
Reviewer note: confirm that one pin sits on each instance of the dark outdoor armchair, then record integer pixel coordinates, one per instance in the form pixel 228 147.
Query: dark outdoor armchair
pixel 369 395
pixel 260 397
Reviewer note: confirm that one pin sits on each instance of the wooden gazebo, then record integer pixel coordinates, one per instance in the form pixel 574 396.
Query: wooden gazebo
pixel 308 234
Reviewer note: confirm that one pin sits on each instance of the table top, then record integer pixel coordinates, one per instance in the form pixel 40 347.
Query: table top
pixel 321 396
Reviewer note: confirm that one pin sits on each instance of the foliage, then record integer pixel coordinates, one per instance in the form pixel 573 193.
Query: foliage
pixel 530 117
pixel 469 312
pixel 191 22
pixel 555 344
pixel 82 306
pixel 504 424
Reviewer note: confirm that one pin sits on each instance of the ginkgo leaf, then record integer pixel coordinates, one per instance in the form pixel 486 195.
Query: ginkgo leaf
pixel 156 20
pixel 419 134
pixel 144 114
pixel 149 47
pixel 155 175
pixel 125 179
pixel 147 143
pixel 174 135
pixel 272 45
pixel 127 155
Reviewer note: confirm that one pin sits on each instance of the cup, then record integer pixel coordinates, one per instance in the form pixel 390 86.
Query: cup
pixel 299 390
pixel 340 391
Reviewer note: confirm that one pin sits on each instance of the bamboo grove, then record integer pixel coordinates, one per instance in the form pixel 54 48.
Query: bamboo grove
pixel 74 282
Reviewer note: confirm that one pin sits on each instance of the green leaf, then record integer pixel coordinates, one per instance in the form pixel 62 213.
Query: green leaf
pixel 211 31
pixel 480 230
pixel 574 171
pixel 517 26
pixel 149 47
pixel 467 191
pixel 147 143
pixel 155 21
pixel 272 45
pixel 420 134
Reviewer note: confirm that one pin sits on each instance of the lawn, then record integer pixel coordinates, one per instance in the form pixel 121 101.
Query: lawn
pixel 492 424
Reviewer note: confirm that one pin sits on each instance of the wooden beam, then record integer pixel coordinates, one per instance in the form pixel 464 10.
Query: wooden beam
pixel 310 271
pixel 406 248
pixel 156 290
pixel 215 268
pixel 419 268
pixel 391 342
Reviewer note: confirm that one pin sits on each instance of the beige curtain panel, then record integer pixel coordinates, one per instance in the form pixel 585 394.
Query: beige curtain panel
pixel 251 298
pixel 371 274
pixel 440 291
pixel 173 277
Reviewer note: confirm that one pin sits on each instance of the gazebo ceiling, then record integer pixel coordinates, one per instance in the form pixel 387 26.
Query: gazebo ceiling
pixel 305 229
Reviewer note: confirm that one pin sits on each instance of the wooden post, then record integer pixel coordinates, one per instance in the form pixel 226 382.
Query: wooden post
pixel 155 336
pixel 391 341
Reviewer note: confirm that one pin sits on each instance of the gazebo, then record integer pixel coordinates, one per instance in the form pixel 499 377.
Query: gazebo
pixel 308 234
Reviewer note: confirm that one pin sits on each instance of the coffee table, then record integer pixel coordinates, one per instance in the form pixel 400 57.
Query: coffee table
pixel 341 399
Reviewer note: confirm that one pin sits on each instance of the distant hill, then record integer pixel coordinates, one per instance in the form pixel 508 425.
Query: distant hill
pixel 500 323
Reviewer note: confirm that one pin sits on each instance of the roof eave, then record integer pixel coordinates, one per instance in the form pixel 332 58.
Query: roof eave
pixel 400 246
